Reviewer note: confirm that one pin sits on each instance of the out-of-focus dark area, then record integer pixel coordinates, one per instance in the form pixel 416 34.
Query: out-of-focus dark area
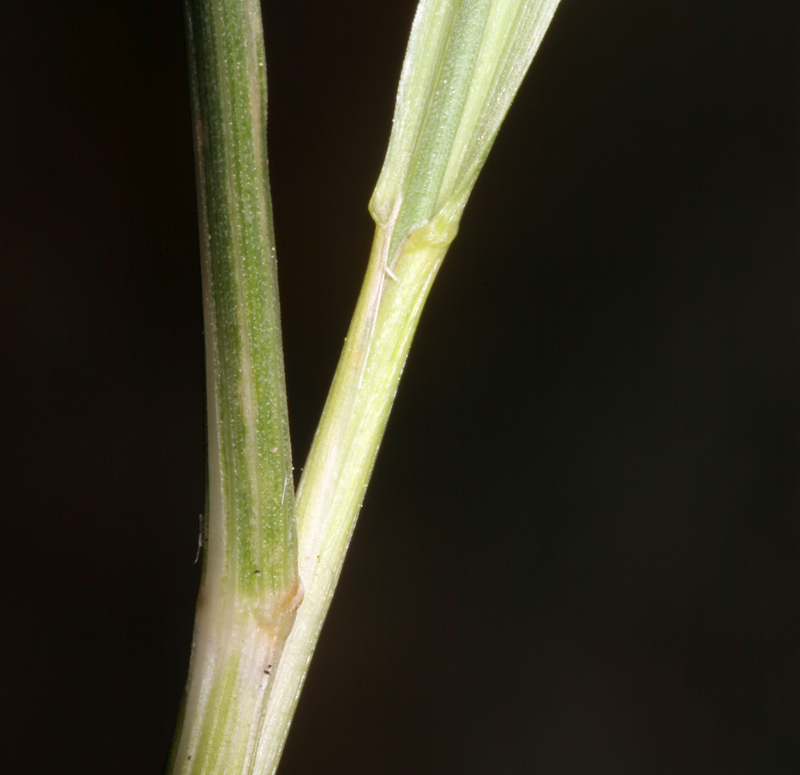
pixel 580 552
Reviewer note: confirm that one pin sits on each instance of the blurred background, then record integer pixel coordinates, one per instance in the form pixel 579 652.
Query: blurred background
pixel 580 552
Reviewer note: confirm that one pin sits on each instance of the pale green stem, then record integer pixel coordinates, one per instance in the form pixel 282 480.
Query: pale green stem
pixel 250 588
pixel 464 64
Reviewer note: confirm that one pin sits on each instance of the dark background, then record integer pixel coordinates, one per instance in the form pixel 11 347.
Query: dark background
pixel 580 550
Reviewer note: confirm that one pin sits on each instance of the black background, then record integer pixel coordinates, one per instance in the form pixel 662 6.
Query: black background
pixel 580 550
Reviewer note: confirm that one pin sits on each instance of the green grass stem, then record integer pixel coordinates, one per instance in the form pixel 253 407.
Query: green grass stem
pixel 464 64
pixel 250 588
